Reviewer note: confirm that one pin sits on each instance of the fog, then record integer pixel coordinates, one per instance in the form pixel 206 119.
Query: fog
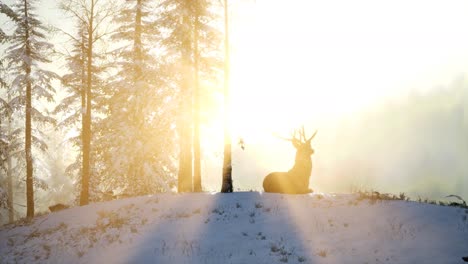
pixel 416 144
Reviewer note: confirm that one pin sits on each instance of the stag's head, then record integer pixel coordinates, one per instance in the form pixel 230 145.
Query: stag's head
pixel 301 142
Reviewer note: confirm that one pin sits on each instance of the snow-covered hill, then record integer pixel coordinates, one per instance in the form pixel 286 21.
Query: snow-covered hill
pixel 245 227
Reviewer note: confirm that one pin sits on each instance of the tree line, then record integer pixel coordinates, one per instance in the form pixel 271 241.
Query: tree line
pixel 127 99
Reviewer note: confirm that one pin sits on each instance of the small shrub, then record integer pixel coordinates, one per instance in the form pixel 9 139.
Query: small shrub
pixel 402 196
pixel 217 211
pixel 284 252
pixel 261 236
pixel 258 205
pixel 10 242
pixel 47 249
pixel 182 215
pixel 274 248
pixel 301 259
pixel 322 253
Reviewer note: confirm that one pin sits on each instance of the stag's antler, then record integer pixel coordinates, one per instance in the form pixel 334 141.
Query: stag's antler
pixel 288 139
pixel 312 137
pixel 304 136
pixel 301 138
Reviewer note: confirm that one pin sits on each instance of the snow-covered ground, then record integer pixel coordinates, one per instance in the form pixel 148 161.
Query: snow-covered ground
pixel 243 227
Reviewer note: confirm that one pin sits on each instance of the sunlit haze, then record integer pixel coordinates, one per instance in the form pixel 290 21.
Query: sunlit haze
pixel 328 65
pixel 311 60
pixel 318 63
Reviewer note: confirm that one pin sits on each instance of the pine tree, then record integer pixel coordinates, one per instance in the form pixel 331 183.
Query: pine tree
pixel 5 153
pixel 136 134
pixel 71 108
pixel 92 16
pixel 27 52
pixel 190 40
pixel 7 144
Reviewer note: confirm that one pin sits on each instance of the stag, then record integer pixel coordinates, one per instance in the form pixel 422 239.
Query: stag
pixel 296 180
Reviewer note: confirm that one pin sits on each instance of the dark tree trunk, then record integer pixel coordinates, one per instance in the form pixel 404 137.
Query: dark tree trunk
pixel 227 163
pixel 28 129
pixel 84 197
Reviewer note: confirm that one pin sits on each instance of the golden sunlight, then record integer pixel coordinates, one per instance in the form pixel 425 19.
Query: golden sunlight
pixel 315 63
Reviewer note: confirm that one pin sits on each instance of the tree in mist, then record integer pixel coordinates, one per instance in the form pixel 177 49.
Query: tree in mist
pixel 26 54
pixel 8 144
pixel 6 135
pixel 92 16
pixel 227 185
pixel 70 110
pixel 175 16
pixel 137 135
pixel 190 41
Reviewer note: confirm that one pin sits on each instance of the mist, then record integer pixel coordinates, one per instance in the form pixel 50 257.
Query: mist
pixel 415 143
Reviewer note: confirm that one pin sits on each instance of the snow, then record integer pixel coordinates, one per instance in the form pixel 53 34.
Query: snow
pixel 242 227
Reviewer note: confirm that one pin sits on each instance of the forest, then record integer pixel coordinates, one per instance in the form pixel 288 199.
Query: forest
pixel 113 107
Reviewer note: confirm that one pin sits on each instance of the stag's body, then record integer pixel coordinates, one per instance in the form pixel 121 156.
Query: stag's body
pixel 296 180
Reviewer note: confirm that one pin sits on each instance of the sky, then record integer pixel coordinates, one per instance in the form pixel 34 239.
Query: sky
pixel 333 57
pixel 317 63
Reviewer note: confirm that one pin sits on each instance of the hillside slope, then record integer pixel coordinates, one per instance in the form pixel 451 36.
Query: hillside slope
pixel 241 227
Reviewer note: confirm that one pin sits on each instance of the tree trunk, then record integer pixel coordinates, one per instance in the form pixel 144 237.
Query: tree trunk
pixel 227 185
pixel 185 128
pixel 137 42
pixel 84 197
pixel 28 128
pixel 83 91
pixel 197 187
pixel 185 155
pixel 11 210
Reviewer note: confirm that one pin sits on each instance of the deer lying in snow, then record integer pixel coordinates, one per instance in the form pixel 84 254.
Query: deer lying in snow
pixel 296 180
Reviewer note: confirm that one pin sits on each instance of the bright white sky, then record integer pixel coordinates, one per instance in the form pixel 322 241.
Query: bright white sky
pixel 300 60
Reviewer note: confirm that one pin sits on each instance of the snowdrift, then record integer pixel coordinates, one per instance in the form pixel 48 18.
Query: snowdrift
pixel 243 227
